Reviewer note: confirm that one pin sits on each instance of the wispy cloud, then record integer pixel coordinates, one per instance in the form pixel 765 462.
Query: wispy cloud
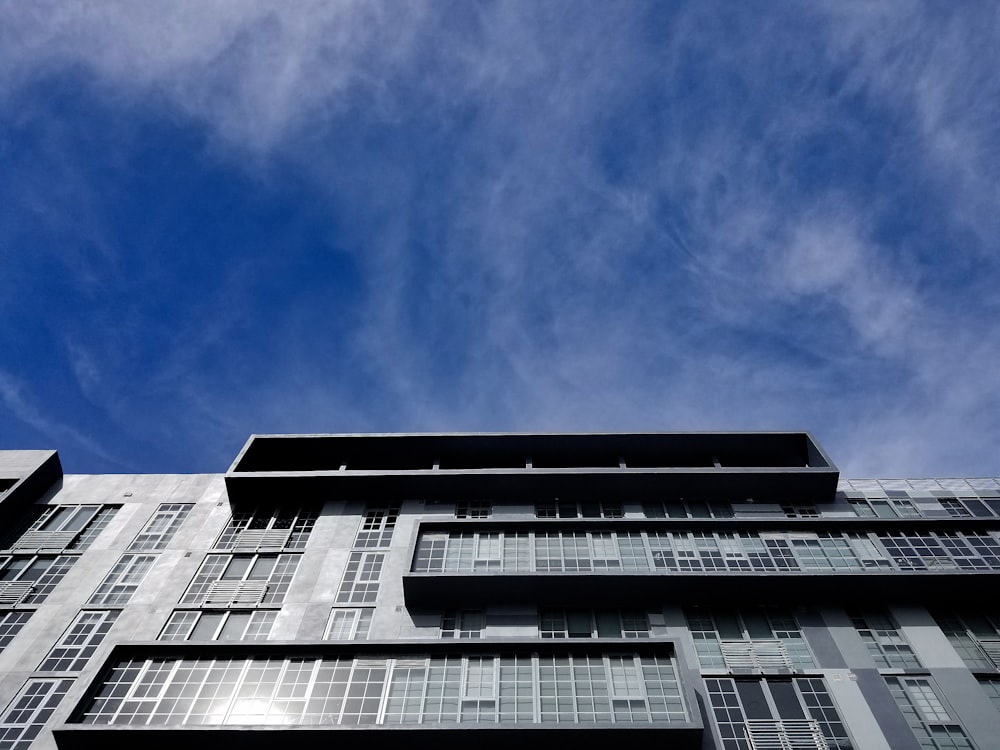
pixel 618 216
pixel 15 399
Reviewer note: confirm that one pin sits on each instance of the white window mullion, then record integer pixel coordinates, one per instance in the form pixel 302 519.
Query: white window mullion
pixel 241 680
pixel 390 668
pixel 423 690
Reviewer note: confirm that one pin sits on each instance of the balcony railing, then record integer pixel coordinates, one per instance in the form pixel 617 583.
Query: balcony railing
pixel 991 649
pixel 12 592
pixel 255 539
pixel 756 656
pixel 235 593
pixel 33 540
pixel 785 734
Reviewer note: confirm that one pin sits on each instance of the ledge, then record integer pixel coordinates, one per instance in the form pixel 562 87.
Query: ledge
pixel 417 737
pixel 725 587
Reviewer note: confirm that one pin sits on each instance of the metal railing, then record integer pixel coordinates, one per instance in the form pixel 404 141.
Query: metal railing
pixel 756 656
pixel 991 648
pixel 59 540
pixel 255 539
pixel 785 734
pixel 12 592
pixel 235 593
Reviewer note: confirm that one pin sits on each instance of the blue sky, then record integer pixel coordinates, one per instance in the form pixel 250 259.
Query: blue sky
pixel 225 218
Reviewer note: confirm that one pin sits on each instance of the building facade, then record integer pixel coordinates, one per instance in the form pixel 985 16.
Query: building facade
pixel 723 591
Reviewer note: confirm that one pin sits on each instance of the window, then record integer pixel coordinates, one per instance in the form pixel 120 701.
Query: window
pixel 583 509
pixel 121 583
pixel 752 640
pixel 349 624
pixel 462 624
pixel 28 712
pixel 160 529
pixel 690 509
pixel 269 526
pixel 241 580
pixel 79 642
pixel 376 527
pixel 800 511
pixel 473 509
pixel 361 578
pixel 974 635
pixel 927 714
pixel 65 527
pixel 792 713
pixel 876 507
pixel 684 551
pixel 884 641
pixel 231 625
pixel 991 686
pixel 10 625
pixel 557 623
pixel 954 507
pixel 29 579
pixel 511 688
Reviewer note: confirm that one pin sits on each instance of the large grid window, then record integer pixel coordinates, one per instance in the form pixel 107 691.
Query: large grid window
pixel 757 640
pixel 925 711
pixel 79 642
pixel 886 645
pixel 11 624
pixel 789 713
pixel 476 689
pixel 361 578
pixel 160 529
pixel 703 551
pixel 579 509
pixel 268 526
pixel 349 624
pixel 226 625
pixel 974 635
pixel 64 527
pixel 29 579
pixel 29 711
pixel 121 583
pixel 562 623
pixel 376 527
pixel 241 580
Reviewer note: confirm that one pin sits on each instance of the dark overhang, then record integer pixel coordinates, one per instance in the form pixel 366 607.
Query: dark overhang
pixel 25 476
pixel 501 466
pixel 730 588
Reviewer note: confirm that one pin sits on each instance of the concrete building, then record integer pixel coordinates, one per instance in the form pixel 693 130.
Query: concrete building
pixel 716 591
